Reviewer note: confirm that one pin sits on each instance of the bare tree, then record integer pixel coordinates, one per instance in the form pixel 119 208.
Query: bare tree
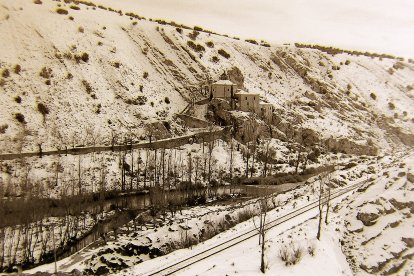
pixel 261 228
pixel 324 180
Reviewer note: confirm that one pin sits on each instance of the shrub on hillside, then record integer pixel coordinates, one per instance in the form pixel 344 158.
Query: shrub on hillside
pixel 87 86
pixel 61 11
pixel 193 35
pixel 223 53
pixel 215 59
pixel 18 99
pixel 195 47
pixel 81 29
pixel 3 128
pixel 347 62
pixel 391 106
pixel 43 109
pixel 252 41
pixel 74 7
pixel 210 44
pixel 17 69
pixel 373 96
pixel 167 100
pixel 45 73
pixel 196 28
pixel 37 2
pixel 5 73
pixel 20 118
pixel 145 75
pixel 84 57
pixel 179 30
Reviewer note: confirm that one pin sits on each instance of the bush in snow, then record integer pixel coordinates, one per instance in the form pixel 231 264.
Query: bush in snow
pixel 87 86
pixel 193 35
pixel 195 47
pixel 223 53
pixel 215 59
pixel 17 69
pixel 84 57
pixel 252 41
pixel 74 7
pixel 391 106
pixel 284 255
pixel 37 2
pixel 291 255
pixel 373 96
pixel 245 214
pixel 45 73
pixel 20 118
pixel 311 249
pixel 297 254
pixel 18 99
pixel 210 44
pixel 81 29
pixel 61 11
pixel 167 100
pixel 43 109
pixel 145 75
pixel 5 73
pixel 3 128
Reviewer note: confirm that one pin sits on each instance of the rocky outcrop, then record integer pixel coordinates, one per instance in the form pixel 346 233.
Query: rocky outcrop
pixel 368 219
pixel 346 145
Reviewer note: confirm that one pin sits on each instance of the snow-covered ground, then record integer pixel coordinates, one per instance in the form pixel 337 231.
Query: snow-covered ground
pixel 380 26
pixel 386 244
pixel 169 234
pixel 135 65
pixel 102 75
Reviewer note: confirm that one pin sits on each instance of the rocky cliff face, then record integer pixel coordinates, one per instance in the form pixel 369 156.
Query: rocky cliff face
pixel 81 75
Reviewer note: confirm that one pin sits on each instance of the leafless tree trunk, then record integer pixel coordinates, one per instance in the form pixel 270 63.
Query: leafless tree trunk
pixel 320 204
pixel 327 205
pixel 231 164
pixel 79 176
pixel 261 228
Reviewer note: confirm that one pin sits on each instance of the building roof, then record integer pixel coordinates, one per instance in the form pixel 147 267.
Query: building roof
pixel 244 93
pixel 224 82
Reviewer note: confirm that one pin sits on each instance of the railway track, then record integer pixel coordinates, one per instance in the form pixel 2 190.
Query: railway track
pixel 173 268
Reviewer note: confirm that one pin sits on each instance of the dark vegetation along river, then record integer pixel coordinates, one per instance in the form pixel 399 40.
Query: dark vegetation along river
pixel 105 213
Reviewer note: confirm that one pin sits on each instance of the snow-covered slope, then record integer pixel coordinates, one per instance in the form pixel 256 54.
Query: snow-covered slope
pixel 133 65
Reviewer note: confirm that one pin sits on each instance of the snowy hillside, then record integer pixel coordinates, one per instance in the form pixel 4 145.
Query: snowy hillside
pixel 141 174
pixel 99 72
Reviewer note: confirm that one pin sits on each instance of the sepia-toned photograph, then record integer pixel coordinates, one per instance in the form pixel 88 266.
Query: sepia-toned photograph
pixel 208 138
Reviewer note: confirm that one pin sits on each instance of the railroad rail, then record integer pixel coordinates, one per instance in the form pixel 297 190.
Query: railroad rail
pixel 173 268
